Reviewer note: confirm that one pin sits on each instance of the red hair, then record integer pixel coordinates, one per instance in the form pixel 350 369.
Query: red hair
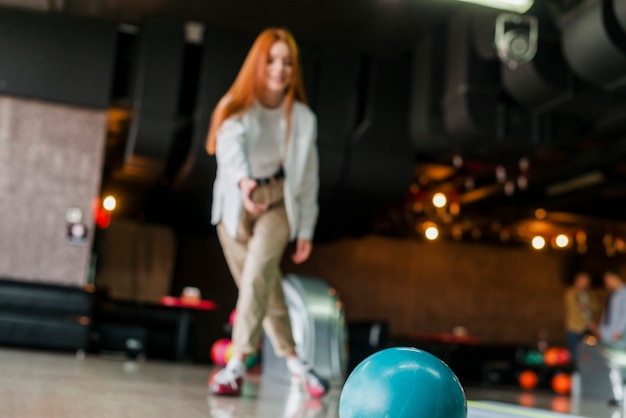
pixel 246 87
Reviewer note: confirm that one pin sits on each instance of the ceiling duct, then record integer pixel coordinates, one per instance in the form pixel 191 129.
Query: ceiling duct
pixel 471 87
pixel 155 96
pixel 576 183
pixel 41 5
pixel 427 88
pixel 516 38
pixel 533 70
pixel 594 42
pixel 475 114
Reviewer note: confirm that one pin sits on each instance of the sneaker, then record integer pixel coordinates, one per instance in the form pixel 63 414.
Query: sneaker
pixel 226 382
pixel 315 385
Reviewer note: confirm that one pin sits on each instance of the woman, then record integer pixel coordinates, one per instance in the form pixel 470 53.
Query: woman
pixel 265 194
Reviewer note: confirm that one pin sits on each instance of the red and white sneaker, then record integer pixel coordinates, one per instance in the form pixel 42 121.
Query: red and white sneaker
pixel 226 382
pixel 313 383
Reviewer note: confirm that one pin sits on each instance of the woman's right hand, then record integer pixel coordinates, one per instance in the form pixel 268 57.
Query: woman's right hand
pixel 247 186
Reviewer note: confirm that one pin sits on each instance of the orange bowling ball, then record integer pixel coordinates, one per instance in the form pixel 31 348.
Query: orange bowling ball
pixel 562 383
pixel 528 379
pixel 552 356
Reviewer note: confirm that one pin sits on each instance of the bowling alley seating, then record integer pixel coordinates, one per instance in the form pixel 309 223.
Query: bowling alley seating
pixel 45 316
pixel 133 328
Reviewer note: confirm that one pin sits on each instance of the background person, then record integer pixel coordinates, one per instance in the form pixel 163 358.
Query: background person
pixel 613 322
pixel 581 308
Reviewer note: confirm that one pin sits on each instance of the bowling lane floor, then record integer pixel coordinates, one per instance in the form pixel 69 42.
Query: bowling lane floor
pixel 40 384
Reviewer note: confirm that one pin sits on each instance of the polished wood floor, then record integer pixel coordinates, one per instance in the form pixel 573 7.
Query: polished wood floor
pixel 39 384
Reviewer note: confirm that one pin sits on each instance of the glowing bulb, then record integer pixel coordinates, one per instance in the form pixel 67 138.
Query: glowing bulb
pixel 538 243
pixel 523 164
pixel 541 213
pixel 509 188
pixel 500 174
pixel 109 203
pixel 439 200
pixel 457 232
pixel 455 208
pixel 431 233
pixel 562 240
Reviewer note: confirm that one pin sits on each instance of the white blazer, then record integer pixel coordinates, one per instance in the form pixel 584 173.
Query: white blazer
pixel 234 139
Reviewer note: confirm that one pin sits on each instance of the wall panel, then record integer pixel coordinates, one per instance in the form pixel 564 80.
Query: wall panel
pixel 501 294
pixel 50 160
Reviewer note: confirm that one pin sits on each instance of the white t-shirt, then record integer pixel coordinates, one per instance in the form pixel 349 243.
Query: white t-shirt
pixel 266 155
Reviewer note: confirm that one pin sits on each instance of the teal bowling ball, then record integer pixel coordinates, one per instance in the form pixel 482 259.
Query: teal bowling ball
pixel 402 382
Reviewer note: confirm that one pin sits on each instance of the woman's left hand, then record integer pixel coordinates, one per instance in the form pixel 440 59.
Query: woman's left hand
pixel 303 250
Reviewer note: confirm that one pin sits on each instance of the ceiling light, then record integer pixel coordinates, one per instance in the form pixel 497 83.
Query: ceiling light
pixel 538 242
pixel 561 241
pixel 109 203
pixel 517 6
pixel 431 233
pixel 439 200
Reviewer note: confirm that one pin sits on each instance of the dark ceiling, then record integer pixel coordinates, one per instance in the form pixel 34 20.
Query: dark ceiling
pixel 367 24
pixel 576 171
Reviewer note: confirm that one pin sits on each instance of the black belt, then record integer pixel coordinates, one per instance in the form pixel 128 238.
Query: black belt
pixel 280 174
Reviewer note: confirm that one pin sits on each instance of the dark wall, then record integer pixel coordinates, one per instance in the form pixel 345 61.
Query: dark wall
pixel 56 58
pixel 502 295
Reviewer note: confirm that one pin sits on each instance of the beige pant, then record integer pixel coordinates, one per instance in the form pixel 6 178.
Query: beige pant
pixel 253 258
